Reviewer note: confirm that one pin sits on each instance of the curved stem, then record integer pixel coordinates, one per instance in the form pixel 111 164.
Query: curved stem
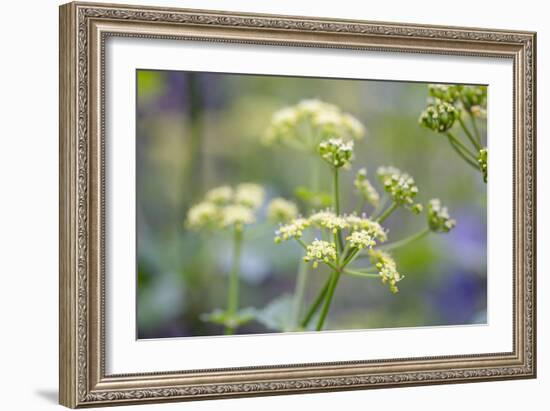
pixel 387 213
pixel 406 240
pixel 469 135
pixel 460 144
pixel 300 241
pixel 380 207
pixel 233 292
pixel 350 258
pixel 362 274
pixel 474 126
pixel 461 154
pixel 303 270
pixel 316 303
pixel 336 193
pixel 335 276
pixel 360 204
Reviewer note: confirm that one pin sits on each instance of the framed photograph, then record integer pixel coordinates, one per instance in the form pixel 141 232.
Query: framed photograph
pixel 259 204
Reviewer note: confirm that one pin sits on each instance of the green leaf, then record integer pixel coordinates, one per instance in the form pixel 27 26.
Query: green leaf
pixel 276 314
pixel 315 199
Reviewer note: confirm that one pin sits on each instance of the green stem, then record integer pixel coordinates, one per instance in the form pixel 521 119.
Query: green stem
pixel 335 276
pixel 407 240
pixel 315 175
pixel 336 188
pixel 233 293
pixel 380 207
pixel 299 291
pixel 460 144
pixel 301 242
pixel 474 126
pixel 350 258
pixel 316 303
pixel 461 154
pixel 360 204
pixel 469 135
pixel 362 274
pixel 387 213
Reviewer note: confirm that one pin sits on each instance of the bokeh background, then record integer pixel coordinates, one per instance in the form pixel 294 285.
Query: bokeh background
pixel 196 131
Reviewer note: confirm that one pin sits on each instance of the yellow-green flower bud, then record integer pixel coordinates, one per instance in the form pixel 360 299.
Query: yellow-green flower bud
pixel 444 92
pixel 294 229
pixel 387 268
pixel 361 239
pixel 439 219
pixel 472 96
pixel 336 152
pixel 320 251
pixel 482 160
pixel 400 186
pixel 439 116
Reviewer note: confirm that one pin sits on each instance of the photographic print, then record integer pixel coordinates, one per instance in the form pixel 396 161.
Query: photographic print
pixel 270 204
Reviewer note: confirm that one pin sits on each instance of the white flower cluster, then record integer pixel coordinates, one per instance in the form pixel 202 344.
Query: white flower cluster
pixel 337 152
pixel 280 210
pixel 237 214
pixel 387 269
pixel 361 239
pixel 307 123
pixel 202 215
pixel 320 251
pixel 249 195
pixel 439 219
pixel 294 229
pixel 400 186
pixel 326 219
pixel 226 207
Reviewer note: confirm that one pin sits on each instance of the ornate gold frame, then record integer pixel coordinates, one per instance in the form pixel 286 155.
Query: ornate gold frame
pixel 84 27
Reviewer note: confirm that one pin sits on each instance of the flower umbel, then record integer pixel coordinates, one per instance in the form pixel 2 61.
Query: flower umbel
pixel 387 269
pixel 336 152
pixel 327 219
pixel 361 239
pixel 400 186
pixel 439 116
pixel 439 219
pixel 304 125
pixel 320 251
pixel 203 215
pixel 249 195
pixel 237 215
pixel 220 195
pixel 294 229
pixel 443 92
pixel 226 207
pixel 374 229
pixel 280 210
pixel 474 96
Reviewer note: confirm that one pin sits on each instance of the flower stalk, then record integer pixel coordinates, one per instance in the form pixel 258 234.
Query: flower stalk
pixel 233 290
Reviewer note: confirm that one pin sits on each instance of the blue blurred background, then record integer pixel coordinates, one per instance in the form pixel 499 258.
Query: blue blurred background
pixel 196 131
